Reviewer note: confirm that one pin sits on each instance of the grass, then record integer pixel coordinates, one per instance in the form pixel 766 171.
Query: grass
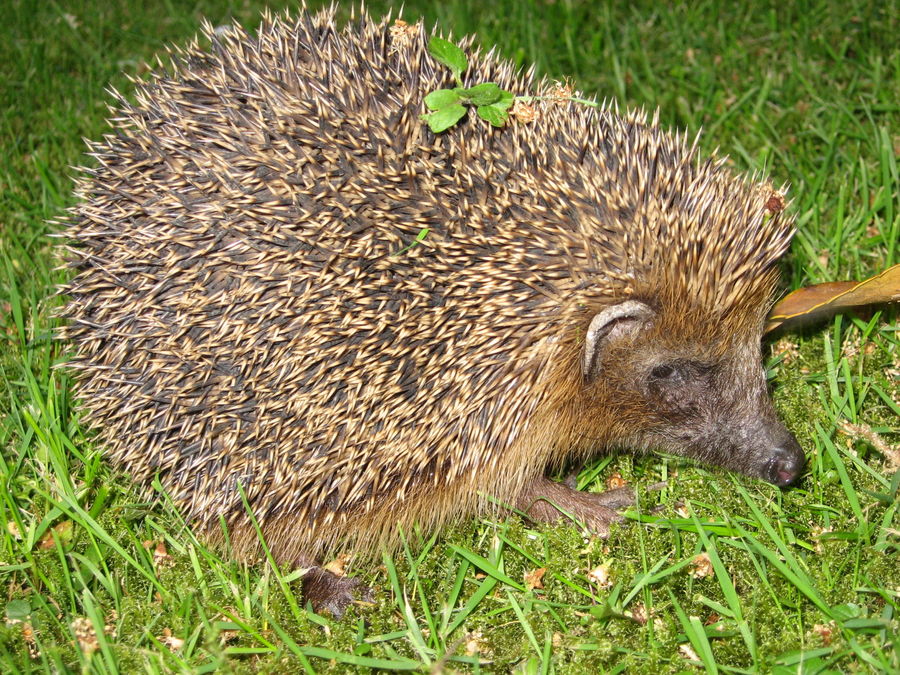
pixel 728 575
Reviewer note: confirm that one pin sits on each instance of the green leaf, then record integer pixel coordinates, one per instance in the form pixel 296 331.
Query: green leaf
pixel 496 113
pixel 444 118
pixel 506 99
pixel 492 114
pixel 18 610
pixel 845 612
pixel 481 94
pixel 449 54
pixel 441 99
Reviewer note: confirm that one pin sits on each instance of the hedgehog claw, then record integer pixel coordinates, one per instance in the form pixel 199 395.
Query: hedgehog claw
pixel 331 593
pixel 547 502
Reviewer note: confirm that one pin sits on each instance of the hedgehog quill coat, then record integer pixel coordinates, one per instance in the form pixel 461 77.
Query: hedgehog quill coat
pixel 248 309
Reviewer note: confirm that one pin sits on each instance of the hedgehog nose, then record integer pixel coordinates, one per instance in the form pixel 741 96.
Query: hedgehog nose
pixel 786 463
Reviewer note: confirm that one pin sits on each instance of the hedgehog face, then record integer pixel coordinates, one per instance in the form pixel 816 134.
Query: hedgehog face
pixel 719 413
pixel 699 399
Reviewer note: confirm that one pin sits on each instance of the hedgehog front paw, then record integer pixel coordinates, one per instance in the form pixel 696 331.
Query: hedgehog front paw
pixel 331 593
pixel 546 501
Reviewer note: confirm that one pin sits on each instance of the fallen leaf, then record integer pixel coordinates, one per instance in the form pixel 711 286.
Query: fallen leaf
pixel 62 532
pixel 616 481
pixel 788 350
pixel 170 641
pixel 13 529
pixel 822 299
pixel 534 578
pixel 638 613
pixel 338 566
pixel 524 112
pixel 474 643
pixel 600 576
pixel 34 651
pixel 701 566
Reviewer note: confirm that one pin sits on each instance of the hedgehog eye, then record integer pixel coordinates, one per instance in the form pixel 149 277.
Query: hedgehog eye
pixel 680 371
pixel 662 372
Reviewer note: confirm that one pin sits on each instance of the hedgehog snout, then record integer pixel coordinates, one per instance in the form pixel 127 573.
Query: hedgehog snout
pixel 786 463
pixel 763 447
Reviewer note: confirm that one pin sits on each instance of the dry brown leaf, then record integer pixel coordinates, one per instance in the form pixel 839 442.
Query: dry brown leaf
pixel 701 566
pixel 169 640
pixel 832 297
pixel 63 532
pixel 109 628
pixel 616 481
pixel 638 613
pixel 161 557
pixel 13 529
pixel 524 112
pixel 561 91
pixel 787 349
pixel 338 566
pixel 402 34
pixel 228 636
pixel 474 643
pixel 535 578
pixel 600 576
pixel 712 620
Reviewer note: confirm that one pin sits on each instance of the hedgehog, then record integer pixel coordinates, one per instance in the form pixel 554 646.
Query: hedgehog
pixel 292 300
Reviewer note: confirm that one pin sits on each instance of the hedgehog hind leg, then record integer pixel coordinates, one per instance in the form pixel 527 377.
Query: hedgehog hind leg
pixel 328 592
pixel 547 501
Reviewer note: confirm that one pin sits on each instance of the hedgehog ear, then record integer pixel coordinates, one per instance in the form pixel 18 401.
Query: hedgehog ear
pixel 611 324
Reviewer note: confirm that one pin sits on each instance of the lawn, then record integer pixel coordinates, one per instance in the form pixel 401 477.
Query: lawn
pixel 715 571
